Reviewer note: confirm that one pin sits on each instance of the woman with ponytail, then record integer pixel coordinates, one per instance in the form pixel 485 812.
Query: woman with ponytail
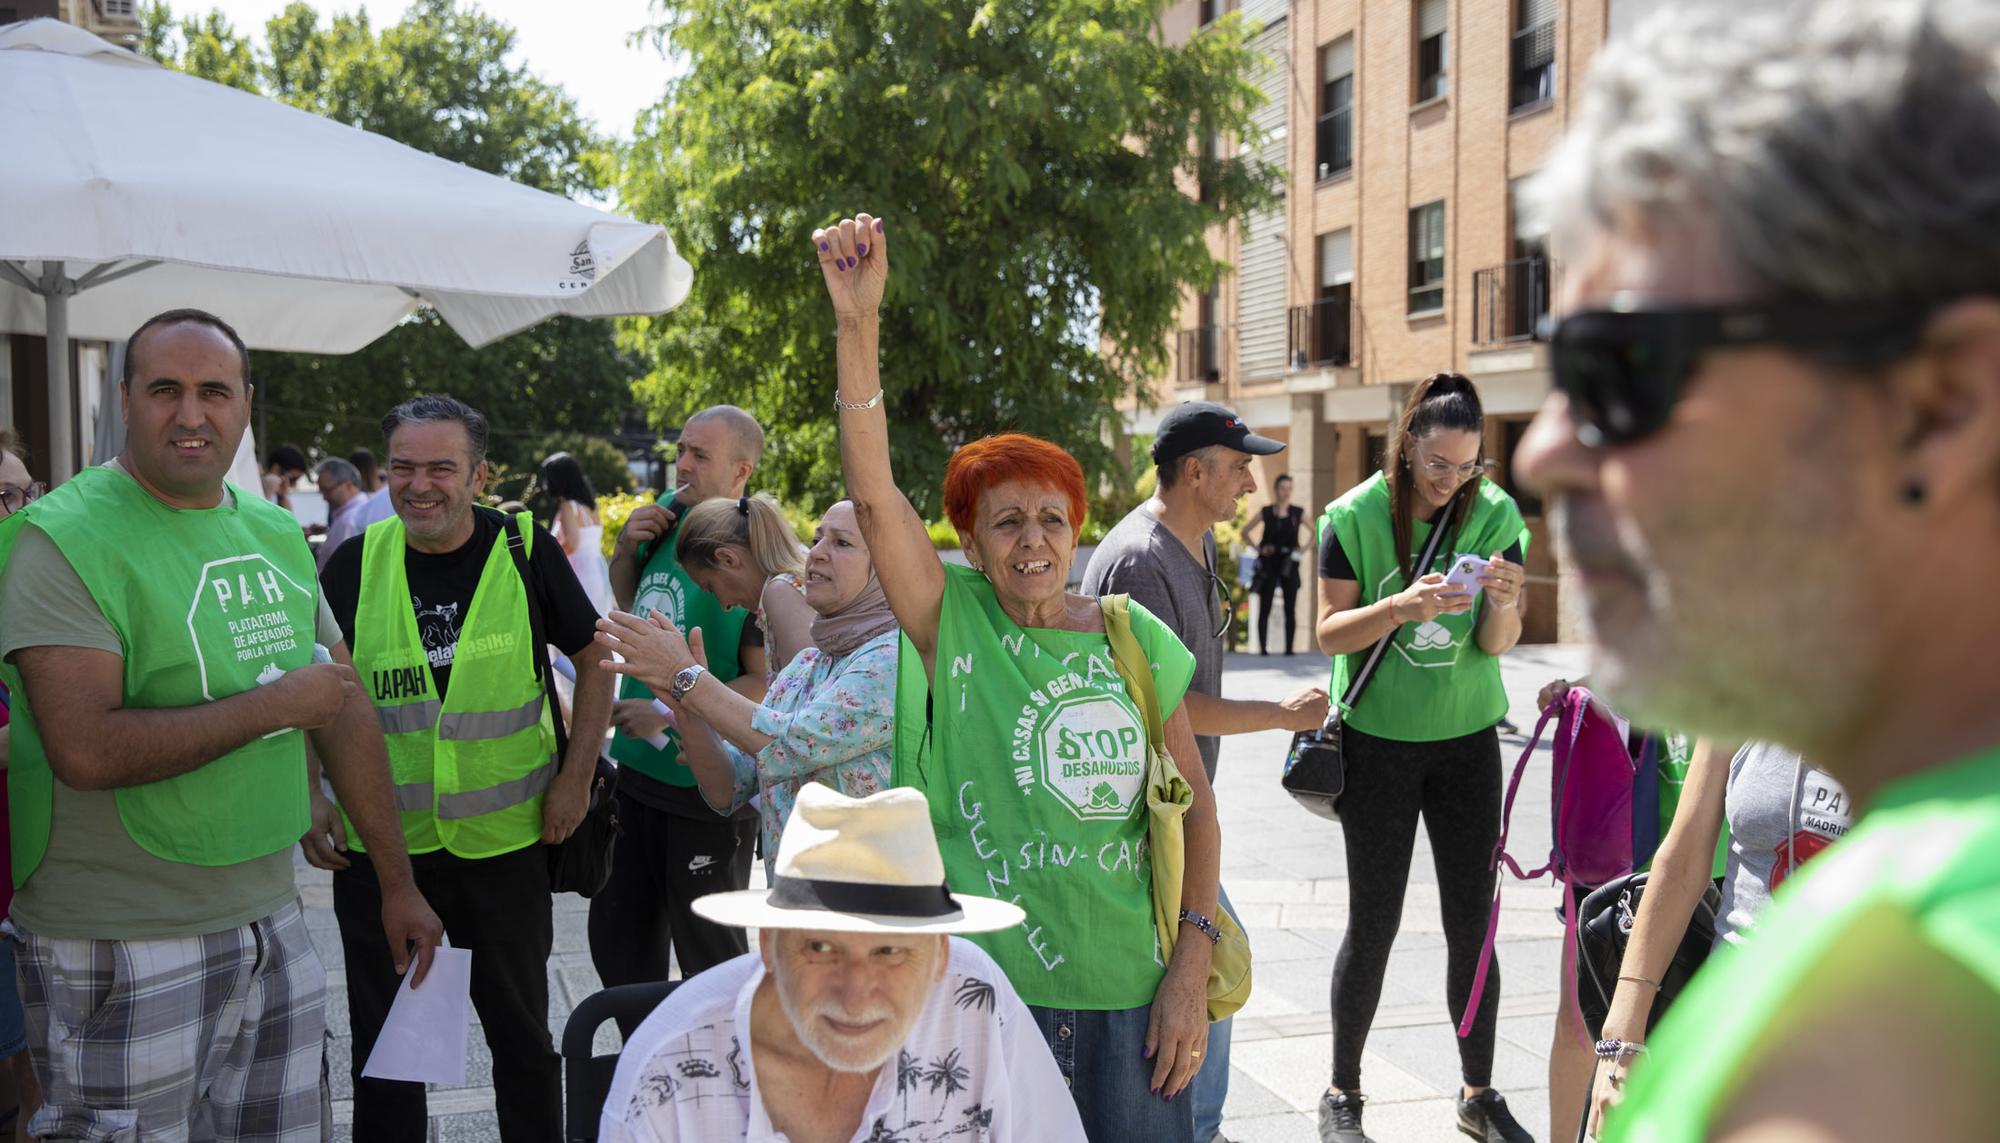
pixel 1421 743
pixel 744 553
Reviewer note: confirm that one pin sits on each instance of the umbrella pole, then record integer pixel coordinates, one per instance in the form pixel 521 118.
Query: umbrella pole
pixel 62 401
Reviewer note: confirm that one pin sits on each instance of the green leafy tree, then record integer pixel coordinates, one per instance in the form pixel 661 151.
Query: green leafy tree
pixel 437 80
pixel 1033 159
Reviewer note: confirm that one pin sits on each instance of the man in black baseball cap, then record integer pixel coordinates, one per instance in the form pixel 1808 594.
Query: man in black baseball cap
pixel 1200 424
pixel 1163 555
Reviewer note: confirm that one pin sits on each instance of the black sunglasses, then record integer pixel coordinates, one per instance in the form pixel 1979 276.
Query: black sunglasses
pixel 1624 370
pixel 1228 606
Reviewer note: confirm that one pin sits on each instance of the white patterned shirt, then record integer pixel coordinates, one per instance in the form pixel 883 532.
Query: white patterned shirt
pixel 974 1069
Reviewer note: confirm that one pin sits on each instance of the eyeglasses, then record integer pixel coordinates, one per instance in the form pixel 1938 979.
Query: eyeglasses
pixel 14 498
pixel 1439 469
pixel 1624 370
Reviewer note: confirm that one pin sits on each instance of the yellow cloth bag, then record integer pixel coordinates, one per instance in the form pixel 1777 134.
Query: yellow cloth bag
pixel 1167 800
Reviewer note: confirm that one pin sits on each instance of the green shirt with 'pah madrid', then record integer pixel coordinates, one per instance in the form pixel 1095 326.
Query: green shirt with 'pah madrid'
pixel 1034 761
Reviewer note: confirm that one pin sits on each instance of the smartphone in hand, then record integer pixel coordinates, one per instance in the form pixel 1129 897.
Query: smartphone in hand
pixel 1465 572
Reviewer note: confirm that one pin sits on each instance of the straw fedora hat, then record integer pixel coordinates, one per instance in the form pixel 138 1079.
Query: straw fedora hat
pixel 859 865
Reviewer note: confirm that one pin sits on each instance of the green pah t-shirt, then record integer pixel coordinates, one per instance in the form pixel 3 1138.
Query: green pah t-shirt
pixel 1033 758
pixel 1434 682
pixel 665 586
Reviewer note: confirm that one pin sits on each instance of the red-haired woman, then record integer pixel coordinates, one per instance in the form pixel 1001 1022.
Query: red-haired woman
pixel 1013 719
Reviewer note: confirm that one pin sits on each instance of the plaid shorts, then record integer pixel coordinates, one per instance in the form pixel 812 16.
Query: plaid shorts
pixel 184 1039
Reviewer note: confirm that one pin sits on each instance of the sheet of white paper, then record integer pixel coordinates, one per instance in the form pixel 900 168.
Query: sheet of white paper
pixel 423 1039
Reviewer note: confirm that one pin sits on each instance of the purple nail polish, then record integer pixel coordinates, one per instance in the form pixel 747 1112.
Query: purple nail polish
pixel 844 263
pixel 861 248
pixel 1149 1055
pixel 824 246
pixel 878 226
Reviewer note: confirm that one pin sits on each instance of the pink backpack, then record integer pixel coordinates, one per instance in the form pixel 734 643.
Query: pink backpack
pixel 1590 810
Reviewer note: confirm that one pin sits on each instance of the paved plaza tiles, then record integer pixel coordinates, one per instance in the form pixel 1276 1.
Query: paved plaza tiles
pixel 1286 875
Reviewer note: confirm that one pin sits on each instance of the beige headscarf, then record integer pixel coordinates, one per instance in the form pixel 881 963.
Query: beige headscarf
pixel 856 622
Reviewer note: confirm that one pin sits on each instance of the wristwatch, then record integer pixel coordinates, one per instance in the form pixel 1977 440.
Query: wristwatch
pixel 684 680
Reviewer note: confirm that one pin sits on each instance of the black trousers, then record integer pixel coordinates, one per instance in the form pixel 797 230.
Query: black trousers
pixel 499 907
pixel 661 862
pixel 1454 785
pixel 1269 582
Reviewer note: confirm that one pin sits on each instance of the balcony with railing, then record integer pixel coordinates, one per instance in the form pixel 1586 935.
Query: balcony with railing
pixel 1510 300
pixel 1198 356
pixel 1320 335
pixel 1334 144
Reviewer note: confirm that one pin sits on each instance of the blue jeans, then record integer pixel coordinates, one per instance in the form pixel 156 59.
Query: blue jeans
pixel 1101 1057
pixel 1211 1083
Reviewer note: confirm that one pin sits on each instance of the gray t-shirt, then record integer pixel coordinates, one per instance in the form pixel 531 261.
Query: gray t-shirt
pixel 94 881
pixel 1782 810
pixel 1144 560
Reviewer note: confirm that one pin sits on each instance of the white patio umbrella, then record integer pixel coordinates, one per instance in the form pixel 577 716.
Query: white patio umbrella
pixel 128 188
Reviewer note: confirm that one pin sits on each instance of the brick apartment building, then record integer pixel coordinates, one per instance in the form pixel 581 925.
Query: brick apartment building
pixel 1405 128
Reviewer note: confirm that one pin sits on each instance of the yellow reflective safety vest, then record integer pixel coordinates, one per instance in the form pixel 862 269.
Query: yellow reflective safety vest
pixel 469 770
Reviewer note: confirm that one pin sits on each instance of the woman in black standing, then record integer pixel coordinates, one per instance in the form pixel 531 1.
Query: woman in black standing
pixel 1277 527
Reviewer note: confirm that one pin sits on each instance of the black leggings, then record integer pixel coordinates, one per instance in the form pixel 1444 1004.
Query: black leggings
pixel 1268 584
pixel 1455 785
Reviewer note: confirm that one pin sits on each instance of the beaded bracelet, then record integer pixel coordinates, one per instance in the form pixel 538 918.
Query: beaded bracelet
pixel 1619 1049
pixel 1207 926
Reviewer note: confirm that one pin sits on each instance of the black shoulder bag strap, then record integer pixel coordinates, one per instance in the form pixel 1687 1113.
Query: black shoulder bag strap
pixel 517 546
pixel 1421 568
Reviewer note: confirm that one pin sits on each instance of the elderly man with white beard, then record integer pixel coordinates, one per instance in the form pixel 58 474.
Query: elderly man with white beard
pixel 859 1018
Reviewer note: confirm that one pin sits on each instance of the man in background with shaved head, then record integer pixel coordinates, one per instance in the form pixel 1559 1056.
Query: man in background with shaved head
pixel 672 848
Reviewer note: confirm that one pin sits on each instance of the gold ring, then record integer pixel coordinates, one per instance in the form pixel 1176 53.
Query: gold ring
pixel 1196 1055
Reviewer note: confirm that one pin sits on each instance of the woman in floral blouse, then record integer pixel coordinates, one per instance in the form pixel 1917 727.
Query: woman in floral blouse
pixel 830 715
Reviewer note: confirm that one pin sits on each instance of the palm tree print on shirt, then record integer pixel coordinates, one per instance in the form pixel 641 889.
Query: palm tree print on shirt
pixel 974 993
pixel 948 1075
pixel 909 1077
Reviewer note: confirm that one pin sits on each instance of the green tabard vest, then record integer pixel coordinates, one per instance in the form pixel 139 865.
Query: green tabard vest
pixel 1033 759
pixel 1921 858
pixel 666 587
pixel 469 771
pixel 1434 682
pixel 207 603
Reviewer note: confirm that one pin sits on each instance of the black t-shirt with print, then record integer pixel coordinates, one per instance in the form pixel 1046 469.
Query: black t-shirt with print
pixel 442 585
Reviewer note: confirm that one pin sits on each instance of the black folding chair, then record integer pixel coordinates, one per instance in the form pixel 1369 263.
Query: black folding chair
pixel 587 1078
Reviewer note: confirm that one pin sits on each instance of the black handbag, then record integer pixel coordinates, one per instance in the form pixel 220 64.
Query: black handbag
pixel 1315 773
pixel 1604 927
pixel 582 863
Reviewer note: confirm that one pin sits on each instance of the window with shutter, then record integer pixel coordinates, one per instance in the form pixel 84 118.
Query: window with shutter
pixel 1431 55
pixel 1334 145
pixel 1532 64
pixel 1332 310
pixel 1427 258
